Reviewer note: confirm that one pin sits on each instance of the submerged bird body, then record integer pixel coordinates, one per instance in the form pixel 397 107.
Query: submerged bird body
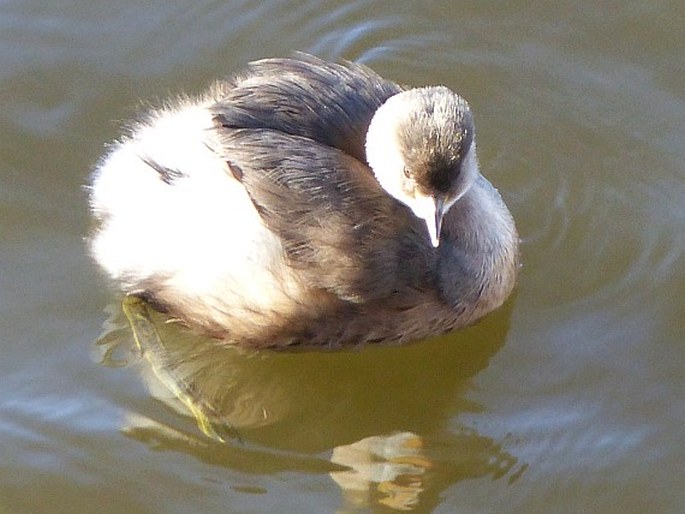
pixel 306 203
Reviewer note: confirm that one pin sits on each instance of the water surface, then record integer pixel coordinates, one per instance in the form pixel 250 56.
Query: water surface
pixel 569 399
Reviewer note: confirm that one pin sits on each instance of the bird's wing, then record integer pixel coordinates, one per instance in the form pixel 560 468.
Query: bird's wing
pixel 338 227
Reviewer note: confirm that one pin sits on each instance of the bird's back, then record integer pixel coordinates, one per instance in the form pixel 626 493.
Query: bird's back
pixel 326 102
pixel 296 128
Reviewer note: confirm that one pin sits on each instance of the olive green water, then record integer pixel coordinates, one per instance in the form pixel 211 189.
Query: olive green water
pixel 569 399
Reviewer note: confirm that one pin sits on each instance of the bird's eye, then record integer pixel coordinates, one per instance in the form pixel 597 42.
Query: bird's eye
pixel 407 172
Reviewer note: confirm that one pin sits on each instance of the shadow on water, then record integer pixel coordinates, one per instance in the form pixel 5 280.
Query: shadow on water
pixel 380 421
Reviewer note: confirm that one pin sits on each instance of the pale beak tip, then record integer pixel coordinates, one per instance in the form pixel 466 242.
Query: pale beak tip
pixel 434 234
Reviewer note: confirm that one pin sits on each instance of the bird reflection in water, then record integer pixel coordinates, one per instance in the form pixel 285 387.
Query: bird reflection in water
pixel 262 412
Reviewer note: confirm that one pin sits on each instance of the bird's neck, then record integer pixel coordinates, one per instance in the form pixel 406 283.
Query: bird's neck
pixel 478 258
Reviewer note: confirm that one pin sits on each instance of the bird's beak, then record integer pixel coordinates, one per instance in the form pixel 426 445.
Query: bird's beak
pixel 431 209
pixel 439 214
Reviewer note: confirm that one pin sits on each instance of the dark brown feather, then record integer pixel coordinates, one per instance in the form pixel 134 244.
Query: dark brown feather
pixel 337 225
pixel 326 102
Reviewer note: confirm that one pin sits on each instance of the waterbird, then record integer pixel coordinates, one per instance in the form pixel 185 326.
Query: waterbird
pixel 305 203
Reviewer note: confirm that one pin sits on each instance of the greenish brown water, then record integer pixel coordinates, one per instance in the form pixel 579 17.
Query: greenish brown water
pixel 569 399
